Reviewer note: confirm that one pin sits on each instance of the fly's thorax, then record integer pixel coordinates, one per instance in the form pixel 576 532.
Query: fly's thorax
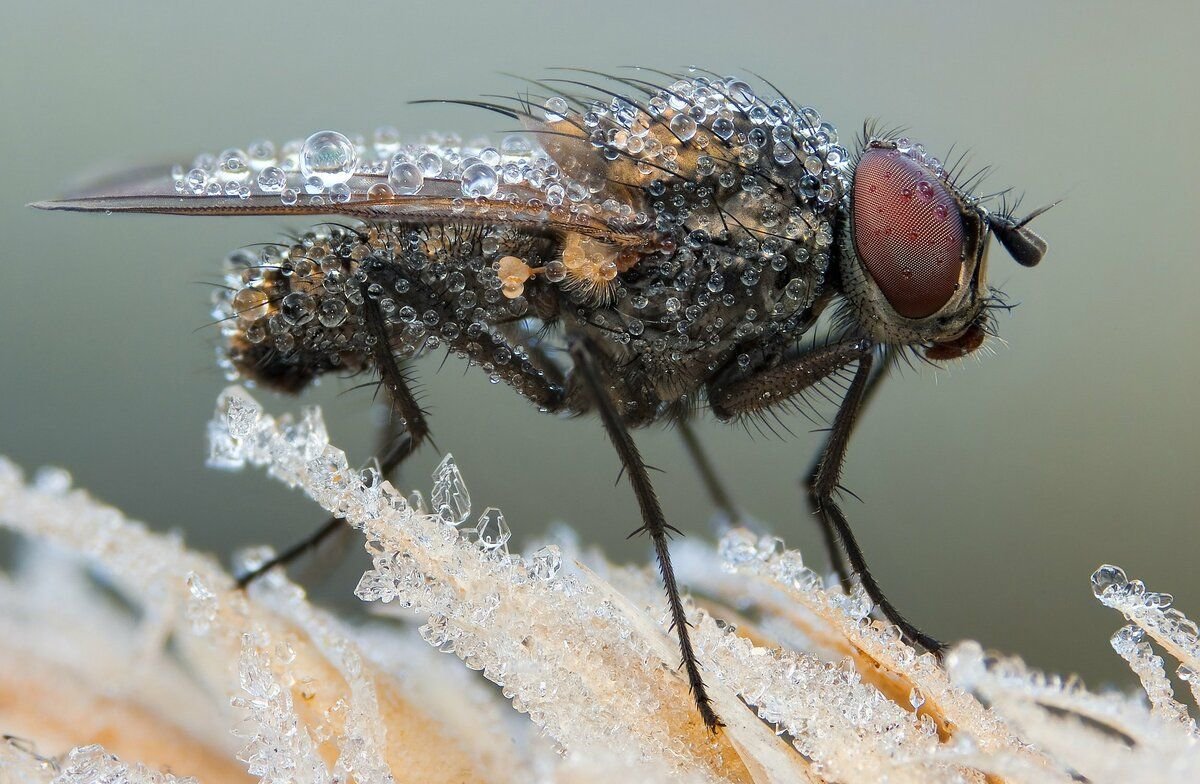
pixel 913 253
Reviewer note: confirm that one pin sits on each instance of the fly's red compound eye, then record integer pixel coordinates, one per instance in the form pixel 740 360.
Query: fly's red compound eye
pixel 907 232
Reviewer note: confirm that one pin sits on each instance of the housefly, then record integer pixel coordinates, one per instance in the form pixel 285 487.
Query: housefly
pixel 644 249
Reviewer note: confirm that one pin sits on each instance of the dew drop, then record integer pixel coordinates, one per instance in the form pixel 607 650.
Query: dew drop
pixel 233 165
pixel 250 304
pixel 556 108
pixel 723 127
pixel 406 179
pixel 1107 578
pixel 380 191
pixel 298 308
pixel 195 181
pixel 328 156
pixel 272 180
pixel 430 164
pixel 333 312
pixel 683 126
pixel 479 180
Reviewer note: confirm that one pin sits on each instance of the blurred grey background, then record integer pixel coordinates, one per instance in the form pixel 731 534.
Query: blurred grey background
pixel 992 489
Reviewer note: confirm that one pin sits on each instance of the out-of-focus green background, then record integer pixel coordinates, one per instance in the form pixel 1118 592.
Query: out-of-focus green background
pixel 991 490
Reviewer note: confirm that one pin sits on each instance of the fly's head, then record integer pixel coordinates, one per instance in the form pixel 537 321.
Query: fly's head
pixel 914 252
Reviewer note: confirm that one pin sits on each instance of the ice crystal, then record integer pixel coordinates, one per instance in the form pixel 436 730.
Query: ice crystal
pixel 262 684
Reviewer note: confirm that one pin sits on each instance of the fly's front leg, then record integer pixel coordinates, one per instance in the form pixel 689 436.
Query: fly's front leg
pixel 407 430
pixel 828 533
pixel 653 521
pixel 793 377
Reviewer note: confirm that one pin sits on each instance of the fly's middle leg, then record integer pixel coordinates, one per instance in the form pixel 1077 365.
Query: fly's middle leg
pixel 791 378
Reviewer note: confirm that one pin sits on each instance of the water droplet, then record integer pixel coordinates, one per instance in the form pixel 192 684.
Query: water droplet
pixel 556 272
pixel 288 196
pixel 195 181
pixel 796 289
pixel 940 212
pixel 925 189
pixel 272 180
pixel 250 304
pixel 430 164
pixel 479 180
pixel 556 108
pixel 723 127
pixel 328 156
pixel 515 144
pixel 683 126
pixel 233 164
pixel 262 153
pixel 406 179
pixel 1108 578
pixel 783 154
pixel 380 191
pixel 333 312
pixel 298 308
pixel 387 140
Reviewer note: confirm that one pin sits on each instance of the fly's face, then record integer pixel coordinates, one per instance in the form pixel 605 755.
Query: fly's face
pixel 914 252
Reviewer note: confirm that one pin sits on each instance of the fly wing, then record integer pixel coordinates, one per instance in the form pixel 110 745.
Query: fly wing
pixel 512 190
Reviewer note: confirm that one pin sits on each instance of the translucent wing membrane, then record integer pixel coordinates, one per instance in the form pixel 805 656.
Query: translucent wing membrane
pixel 432 182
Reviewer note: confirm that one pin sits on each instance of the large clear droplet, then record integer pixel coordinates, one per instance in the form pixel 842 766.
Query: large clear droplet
pixel 683 126
pixel 272 179
pixel 405 179
pixel 329 156
pixel 479 180
pixel 1108 577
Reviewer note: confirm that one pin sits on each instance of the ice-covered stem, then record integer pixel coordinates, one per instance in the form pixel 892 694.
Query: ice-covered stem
pixel 311 702
pixel 811 688
pixel 545 634
pixel 1150 613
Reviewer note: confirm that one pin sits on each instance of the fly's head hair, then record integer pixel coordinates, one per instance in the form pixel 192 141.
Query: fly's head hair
pixel 914 250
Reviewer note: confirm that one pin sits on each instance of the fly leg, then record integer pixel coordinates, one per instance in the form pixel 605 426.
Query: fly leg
pixel 408 417
pixel 829 533
pixel 653 521
pixel 717 492
pixel 791 378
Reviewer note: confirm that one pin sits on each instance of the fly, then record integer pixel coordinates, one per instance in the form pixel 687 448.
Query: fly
pixel 642 251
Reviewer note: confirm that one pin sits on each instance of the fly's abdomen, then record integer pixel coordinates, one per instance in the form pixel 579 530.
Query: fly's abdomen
pixel 294 312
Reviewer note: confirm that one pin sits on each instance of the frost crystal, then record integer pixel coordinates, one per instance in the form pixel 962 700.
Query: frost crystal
pixel 811 688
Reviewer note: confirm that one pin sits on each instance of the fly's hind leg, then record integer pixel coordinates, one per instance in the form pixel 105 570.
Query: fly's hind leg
pixel 718 494
pixel 791 378
pixel 653 521
pixel 406 431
